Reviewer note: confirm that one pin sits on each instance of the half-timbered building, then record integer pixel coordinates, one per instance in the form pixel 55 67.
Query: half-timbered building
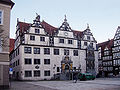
pixel 109 55
pixel 105 58
pixel 116 52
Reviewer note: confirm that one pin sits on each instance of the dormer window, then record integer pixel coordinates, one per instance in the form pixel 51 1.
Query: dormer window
pixel 1 17
pixel 37 31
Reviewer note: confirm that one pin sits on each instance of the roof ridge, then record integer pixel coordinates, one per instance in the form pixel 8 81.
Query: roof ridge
pixel 48 23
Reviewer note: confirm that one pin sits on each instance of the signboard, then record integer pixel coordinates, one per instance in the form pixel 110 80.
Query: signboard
pixel 11 71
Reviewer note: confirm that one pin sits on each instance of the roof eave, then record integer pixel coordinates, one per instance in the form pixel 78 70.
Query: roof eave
pixel 8 3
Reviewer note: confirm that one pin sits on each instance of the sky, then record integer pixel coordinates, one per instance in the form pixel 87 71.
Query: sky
pixel 103 16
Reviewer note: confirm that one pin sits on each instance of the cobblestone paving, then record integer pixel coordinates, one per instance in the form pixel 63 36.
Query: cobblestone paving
pixel 27 86
pixel 97 84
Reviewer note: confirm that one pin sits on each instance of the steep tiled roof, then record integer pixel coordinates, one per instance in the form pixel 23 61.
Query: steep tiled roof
pixel 105 44
pixel 23 26
pixel 12 42
pixel 48 28
pixel 110 44
pixel 8 2
pixel 78 33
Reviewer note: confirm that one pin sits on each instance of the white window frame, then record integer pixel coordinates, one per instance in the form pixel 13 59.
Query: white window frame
pixel 1 17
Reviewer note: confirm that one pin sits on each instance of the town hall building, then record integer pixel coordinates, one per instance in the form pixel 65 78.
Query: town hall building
pixel 42 50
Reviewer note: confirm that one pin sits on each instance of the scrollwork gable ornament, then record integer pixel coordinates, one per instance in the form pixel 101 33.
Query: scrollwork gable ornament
pixel 36 22
pixel 65 26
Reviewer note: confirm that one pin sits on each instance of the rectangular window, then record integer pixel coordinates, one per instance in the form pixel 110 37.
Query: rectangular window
pixel 14 64
pixel 1 17
pixel 27 50
pixel 37 31
pixel 74 68
pixel 14 54
pixel 75 52
pixel 70 42
pixel 56 51
pixel 18 51
pixel 42 39
pixel 47 73
pixel 46 61
pixel 28 73
pixel 58 69
pixel 36 61
pixel 88 37
pixel 66 52
pixel 46 50
pixel 36 50
pixel 85 43
pixel 18 61
pixel 61 40
pixel 32 38
pixel 36 73
pixel 28 61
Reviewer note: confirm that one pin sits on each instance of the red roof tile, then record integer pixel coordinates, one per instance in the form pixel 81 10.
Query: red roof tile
pixel 78 33
pixel 23 26
pixel 48 28
pixel 105 44
pixel 12 42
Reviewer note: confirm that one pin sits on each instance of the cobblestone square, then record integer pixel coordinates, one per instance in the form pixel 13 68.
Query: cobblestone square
pixel 97 84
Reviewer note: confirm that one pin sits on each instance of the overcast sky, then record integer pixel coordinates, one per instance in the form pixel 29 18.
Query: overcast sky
pixel 103 16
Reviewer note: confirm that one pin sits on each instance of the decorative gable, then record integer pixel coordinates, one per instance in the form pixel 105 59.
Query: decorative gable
pixel 87 35
pixel 65 26
pixel 65 30
pixel 87 31
pixel 36 22
pixel 117 35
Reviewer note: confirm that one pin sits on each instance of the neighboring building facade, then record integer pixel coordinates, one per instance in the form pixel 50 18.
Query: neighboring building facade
pixel 5 8
pixel 116 52
pixel 42 50
pixel 105 58
pixel 109 55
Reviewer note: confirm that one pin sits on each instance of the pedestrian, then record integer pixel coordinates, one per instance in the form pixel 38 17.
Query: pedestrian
pixel 75 78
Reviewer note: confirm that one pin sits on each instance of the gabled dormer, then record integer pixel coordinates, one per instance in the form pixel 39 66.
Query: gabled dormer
pixel 65 30
pixel 87 31
pixel 36 22
pixel 88 39
pixel 87 35
pixel 37 27
pixel 65 26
